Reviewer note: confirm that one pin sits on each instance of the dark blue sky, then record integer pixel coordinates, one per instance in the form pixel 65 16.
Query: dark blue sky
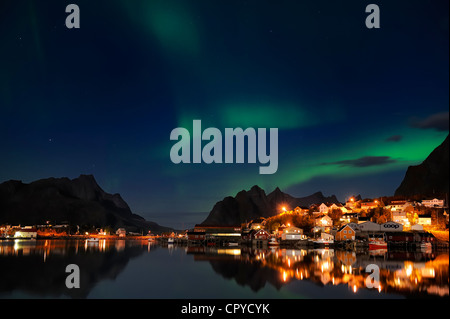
pixel 354 106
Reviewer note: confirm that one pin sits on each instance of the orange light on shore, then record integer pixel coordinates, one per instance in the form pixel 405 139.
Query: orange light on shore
pixel 283 208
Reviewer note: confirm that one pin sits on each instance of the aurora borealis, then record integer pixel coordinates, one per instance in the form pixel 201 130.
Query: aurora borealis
pixel 354 107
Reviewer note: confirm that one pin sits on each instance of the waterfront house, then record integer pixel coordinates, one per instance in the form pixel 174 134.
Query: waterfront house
pixel 292 233
pixel 326 236
pixel 426 237
pixel 26 232
pixel 196 236
pixel 400 237
pixel 260 234
pixel 409 237
pixel 391 226
pixel 345 233
pixel 216 231
pixel 369 227
pixel 121 232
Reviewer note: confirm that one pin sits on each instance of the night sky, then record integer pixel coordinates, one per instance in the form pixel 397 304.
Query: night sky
pixel 354 106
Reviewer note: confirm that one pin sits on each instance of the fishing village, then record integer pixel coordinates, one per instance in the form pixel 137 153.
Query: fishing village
pixel 356 225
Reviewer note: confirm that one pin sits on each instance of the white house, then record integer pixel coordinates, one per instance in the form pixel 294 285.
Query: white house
pixel 323 208
pixel 326 208
pixel 324 221
pixel 292 233
pixel 399 216
pixel 433 202
pixel 326 236
pixel 26 232
pixel 424 220
pixel 399 205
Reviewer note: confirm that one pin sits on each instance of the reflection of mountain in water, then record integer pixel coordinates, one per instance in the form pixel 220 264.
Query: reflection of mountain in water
pixel 40 267
pixel 247 273
pixel 405 273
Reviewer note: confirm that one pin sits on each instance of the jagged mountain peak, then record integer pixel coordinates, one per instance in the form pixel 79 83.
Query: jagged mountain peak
pixel 77 201
pixel 252 204
pixel 431 177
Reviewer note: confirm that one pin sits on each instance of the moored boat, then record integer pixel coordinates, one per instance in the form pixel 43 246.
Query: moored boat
pixel 231 244
pixel 273 242
pixel 376 244
pixel 322 241
pixel 425 246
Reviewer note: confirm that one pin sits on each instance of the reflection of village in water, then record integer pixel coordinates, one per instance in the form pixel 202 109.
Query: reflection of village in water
pixel 400 272
pixel 57 247
pixel 403 272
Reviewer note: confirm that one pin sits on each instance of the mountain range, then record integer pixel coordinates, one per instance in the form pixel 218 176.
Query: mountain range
pixel 78 201
pixel 254 203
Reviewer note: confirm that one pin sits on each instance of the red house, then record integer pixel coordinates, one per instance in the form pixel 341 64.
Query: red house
pixel 260 234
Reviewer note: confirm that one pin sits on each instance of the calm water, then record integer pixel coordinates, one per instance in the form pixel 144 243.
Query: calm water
pixel 137 269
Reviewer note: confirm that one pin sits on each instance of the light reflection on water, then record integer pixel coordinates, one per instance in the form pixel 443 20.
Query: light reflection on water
pixel 36 268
